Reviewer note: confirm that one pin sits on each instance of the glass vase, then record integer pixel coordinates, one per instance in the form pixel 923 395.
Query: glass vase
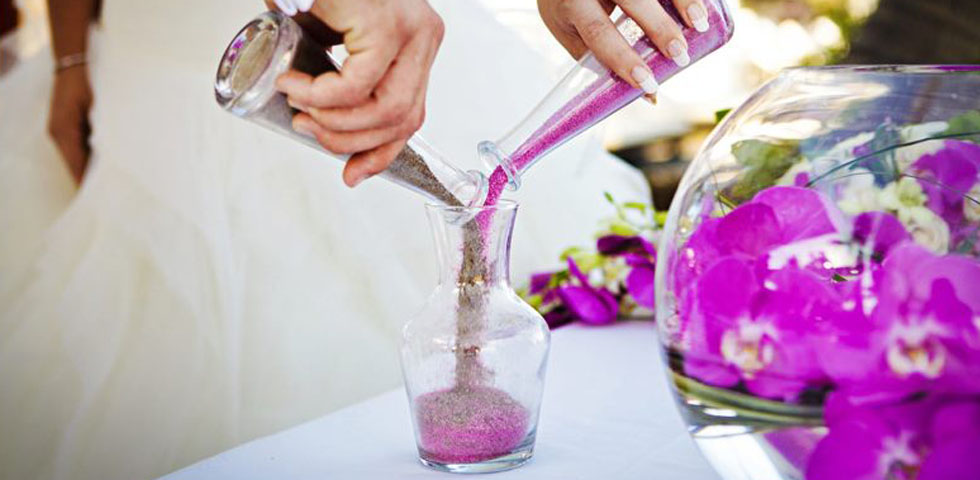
pixel 474 357
pixel 819 293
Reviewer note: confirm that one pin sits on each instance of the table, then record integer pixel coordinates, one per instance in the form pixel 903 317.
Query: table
pixel 607 414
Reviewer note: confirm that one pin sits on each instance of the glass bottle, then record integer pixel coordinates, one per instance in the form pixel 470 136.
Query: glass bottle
pixel 272 44
pixel 590 92
pixel 474 357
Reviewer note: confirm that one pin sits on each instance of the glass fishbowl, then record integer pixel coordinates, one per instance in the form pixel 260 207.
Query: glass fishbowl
pixel 818 298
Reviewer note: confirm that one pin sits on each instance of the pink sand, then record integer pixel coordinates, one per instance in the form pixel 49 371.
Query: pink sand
pixel 469 424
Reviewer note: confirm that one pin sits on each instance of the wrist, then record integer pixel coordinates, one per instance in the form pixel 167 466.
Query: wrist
pixel 70 61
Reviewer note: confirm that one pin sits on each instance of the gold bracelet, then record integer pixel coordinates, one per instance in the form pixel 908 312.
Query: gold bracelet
pixel 69 61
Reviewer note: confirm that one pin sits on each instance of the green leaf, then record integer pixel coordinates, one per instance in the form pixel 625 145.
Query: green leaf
pixel 620 227
pixel 720 114
pixel 968 122
pixel 642 207
pixel 569 252
pixel 765 162
pixel 587 261
pixel 535 301
pixel 558 278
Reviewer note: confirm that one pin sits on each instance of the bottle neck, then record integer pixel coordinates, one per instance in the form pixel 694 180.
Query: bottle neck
pixel 423 169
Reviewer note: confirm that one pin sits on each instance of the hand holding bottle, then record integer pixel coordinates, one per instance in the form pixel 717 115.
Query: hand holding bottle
pixel 377 101
pixel 584 25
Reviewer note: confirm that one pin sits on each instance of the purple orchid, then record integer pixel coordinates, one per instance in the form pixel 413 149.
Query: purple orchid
pixel 615 245
pixel 926 439
pixel 919 331
pixel 591 305
pixel 539 282
pixel 748 303
pixel 641 256
pixel 946 176
pixel 639 282
pixel 756 330
pixel 775 217
pixel 954 442
pixel 879 232
pixel 872 444
pixel 575 298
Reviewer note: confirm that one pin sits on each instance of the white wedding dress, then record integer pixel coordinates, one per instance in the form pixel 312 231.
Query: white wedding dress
pixel 212 282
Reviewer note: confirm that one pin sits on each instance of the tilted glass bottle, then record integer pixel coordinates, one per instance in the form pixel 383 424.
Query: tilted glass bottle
pixel 272 44
pixel 590 92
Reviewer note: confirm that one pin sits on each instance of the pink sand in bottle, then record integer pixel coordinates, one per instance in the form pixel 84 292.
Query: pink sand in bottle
pixel 609 93
pixel 469 424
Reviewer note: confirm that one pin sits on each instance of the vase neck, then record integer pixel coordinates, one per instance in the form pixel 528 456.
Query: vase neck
pixel 473 244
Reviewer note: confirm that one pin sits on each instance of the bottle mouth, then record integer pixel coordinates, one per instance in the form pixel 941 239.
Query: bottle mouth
pixel 494 157
pixel 458 215
pixel 257 55
pixel 478 184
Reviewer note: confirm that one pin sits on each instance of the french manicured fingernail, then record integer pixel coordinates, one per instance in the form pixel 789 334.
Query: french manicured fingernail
pixel 286 6
pixel 698 17
pixel 644 78
pixel 678 52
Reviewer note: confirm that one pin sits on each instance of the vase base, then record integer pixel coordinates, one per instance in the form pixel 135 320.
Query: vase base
pixel 749 438
pixel 510 461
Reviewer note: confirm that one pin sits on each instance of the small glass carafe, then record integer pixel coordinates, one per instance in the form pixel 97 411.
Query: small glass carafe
pixel 474 357
pixel 272 44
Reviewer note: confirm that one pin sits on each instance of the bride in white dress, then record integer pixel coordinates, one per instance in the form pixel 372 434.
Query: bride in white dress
pixel 212 282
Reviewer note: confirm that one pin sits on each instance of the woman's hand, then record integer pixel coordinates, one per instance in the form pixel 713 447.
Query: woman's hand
pixel 584 25
pixel 377 101
pixel 68 121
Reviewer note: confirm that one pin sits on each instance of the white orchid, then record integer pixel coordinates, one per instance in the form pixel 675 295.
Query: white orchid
pixel 905 193
pixel 971 205
pixel 859 194
pixel 926 228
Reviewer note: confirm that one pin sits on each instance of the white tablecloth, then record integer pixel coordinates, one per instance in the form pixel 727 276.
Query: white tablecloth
pixel 607 414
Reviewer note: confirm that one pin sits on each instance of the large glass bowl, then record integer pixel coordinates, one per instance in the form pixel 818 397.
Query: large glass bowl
pixel 818 291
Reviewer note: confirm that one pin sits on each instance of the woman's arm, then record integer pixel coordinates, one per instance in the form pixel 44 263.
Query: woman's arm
pixel 71 98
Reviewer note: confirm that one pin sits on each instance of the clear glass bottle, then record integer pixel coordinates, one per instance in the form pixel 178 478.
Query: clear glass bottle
pixel 474 357
pixel 590 92
pixel 272 44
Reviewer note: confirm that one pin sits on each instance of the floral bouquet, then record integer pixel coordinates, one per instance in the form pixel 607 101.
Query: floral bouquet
pixel 615 280
pixel 827 297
